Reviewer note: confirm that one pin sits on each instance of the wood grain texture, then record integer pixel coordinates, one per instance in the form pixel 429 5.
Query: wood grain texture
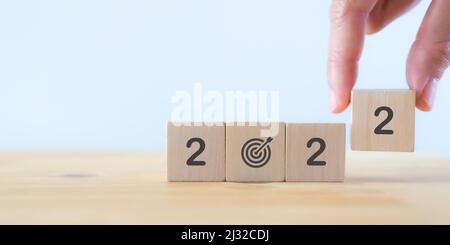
pixel 238 170
pixel 131 188
pixel 364 121
pixel 179 151
pixel 329 165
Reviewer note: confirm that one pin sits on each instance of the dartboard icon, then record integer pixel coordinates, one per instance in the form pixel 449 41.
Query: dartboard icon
pixel 256 152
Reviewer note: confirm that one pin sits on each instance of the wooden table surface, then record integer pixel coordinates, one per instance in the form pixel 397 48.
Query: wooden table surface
pixel 131 188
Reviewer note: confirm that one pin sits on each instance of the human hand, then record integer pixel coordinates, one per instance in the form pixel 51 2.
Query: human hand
pixel 428 58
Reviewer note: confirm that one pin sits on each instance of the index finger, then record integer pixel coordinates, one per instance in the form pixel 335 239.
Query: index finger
pixel 348 23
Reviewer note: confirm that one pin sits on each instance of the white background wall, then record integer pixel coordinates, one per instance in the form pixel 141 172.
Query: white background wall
pixel 98 74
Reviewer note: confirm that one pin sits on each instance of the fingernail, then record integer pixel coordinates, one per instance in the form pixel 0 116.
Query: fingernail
pixel 429 93
pixel 333 101
pixel 420 81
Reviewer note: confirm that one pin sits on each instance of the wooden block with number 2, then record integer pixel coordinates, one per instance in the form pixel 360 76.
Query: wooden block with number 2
pixel 315 152
pixel 383 120
pixel 196 153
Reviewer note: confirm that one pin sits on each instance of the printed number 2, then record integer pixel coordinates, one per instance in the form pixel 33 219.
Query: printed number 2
pixel 312 160
pixel 191 160
pixel 390 114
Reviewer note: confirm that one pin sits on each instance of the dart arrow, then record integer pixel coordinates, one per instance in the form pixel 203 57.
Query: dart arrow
pixel 268 140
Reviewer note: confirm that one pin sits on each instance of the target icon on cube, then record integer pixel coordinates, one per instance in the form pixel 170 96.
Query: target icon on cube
pixel 256 152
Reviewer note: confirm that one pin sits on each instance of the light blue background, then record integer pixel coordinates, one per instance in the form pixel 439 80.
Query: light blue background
pixel 99 74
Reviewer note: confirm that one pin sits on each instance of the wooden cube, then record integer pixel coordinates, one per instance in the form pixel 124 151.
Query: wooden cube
pixel 252 157
pixel 196 153
pixel 315 152
pixel 383 120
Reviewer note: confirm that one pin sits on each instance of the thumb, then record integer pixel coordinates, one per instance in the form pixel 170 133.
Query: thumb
pixel 430 54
